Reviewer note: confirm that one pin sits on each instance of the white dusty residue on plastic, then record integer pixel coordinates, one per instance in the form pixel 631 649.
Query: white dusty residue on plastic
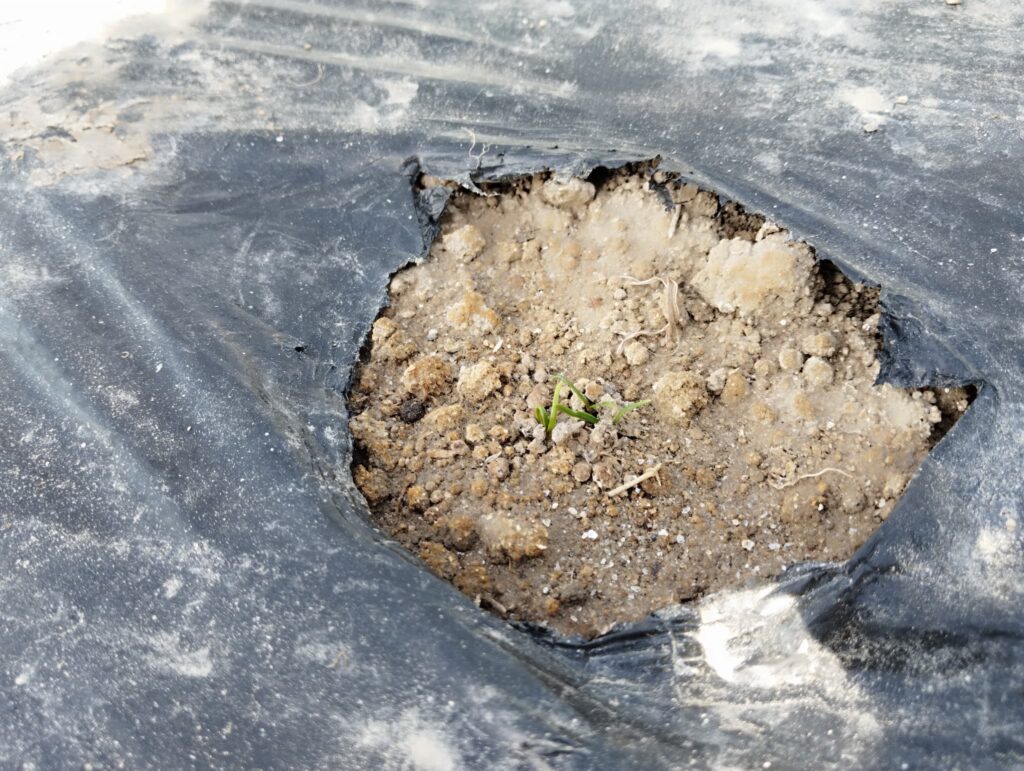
pixel 723 48
pixel 391 112
pixel 84 134
pixel 872 105
pixel 168 653
pixel 441 732
pixel 867 100
pixel 410 741
pixel 328 649
pixel 31 32
pixel 20 278
pixel 171 587
pixel 770 162
pixel 232 80
pixel 985 568
pixel 997 549
pixel 714 35
pixel 756 643
pixel 24 677
pixel 994 569
pixel 545 9
pixel 847 43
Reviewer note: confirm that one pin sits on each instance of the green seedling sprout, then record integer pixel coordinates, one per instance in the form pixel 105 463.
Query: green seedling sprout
pixel 549 417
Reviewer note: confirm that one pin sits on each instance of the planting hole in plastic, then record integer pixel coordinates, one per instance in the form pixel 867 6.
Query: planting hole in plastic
pixel 600 397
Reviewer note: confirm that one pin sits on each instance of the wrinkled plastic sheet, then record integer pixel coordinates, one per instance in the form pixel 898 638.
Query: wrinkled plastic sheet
pixel 189 577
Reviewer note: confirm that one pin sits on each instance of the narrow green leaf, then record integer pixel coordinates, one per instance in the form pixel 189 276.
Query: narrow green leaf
pixel 629 407
pixel 541 416
pixel 572 386
pixel 586 416
pixel 555 404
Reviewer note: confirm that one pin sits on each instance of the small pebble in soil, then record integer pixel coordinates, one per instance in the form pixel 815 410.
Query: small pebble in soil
pixel 412 409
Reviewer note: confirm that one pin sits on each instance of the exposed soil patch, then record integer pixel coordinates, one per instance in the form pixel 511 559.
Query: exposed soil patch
pixel 764 442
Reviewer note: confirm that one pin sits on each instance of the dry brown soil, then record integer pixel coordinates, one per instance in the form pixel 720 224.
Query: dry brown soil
pixel 765 442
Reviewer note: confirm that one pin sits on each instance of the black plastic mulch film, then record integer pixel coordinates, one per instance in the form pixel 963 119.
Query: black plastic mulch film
pixel 198 223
